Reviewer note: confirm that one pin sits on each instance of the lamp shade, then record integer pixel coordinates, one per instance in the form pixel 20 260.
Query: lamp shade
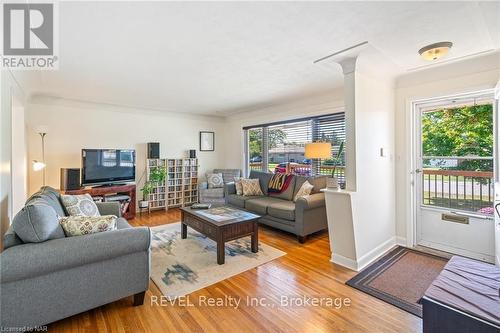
pixel 42 129
pixel 318 150
pixel 37 165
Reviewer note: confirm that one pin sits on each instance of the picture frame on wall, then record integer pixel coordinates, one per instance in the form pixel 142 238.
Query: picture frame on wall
pixel 207 141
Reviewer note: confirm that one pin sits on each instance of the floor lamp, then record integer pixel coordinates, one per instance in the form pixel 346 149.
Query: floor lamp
pixel 318 150
pixel 40 165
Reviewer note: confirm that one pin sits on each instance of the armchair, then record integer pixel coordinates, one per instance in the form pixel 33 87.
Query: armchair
pixel 216 195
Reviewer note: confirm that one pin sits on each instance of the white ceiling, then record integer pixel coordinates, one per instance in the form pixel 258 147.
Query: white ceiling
pixel 215 58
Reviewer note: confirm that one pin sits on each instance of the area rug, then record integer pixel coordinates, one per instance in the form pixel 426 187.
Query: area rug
pixel 181 266
pixel 400 278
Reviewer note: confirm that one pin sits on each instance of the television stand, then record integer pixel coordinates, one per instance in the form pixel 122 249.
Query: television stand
pixel 128 190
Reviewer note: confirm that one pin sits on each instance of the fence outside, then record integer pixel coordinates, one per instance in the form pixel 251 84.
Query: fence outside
pixel 458 189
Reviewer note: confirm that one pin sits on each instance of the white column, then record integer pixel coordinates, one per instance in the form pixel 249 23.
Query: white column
pixel 349 70
pixel 361 219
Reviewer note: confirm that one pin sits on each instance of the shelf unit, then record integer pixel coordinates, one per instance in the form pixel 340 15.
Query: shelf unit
pixel 157 197
pixel 180 188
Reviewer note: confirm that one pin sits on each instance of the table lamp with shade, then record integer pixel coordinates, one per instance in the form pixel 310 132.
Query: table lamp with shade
pixel 322 150
pixel 318 150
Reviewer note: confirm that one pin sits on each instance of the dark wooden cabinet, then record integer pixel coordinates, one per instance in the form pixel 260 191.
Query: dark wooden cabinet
pixel 101 191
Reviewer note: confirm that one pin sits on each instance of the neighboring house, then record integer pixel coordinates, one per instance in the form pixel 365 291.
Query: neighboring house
pixel 286 153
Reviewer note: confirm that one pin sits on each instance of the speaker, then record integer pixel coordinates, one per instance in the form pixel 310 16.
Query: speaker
pixel 192 153
pixel 153 150
pixel 70 179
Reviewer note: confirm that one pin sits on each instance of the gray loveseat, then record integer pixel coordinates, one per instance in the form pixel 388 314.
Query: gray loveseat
pixel 305 216
pixel 50 276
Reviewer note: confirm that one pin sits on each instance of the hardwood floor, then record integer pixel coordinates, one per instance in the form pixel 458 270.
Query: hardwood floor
pixel 304 271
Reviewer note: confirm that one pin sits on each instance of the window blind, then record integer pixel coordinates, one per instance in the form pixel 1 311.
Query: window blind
pixel 280 146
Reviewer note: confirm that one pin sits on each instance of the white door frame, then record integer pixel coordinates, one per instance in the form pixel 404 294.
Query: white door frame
pixel 496 120
pixel 411 225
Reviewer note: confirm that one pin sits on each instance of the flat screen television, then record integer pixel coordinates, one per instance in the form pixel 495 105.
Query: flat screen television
pixel 107 166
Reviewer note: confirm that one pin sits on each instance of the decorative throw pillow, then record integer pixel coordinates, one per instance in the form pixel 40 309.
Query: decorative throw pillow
pixel 81 204
pixel 279 183
pixel 83 225
pixel 239 187
pixel 215 180
pixel 304 190
pixel 251 187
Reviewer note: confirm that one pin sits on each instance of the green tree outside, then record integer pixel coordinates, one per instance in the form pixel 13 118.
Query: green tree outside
pixel 462 131
pixel 276 136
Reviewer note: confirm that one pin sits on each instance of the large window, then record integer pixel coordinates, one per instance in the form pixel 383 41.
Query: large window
pixel 280 146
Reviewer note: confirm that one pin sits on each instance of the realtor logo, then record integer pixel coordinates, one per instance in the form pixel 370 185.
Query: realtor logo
pixel 29 36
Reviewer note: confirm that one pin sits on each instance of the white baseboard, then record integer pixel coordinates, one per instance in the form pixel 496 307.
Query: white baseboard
pixel 343 261
pixel 401 241
pixel 368 258
pixel 376 252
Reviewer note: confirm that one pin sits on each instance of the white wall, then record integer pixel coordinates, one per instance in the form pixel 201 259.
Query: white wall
pixel 466 76
pixel 5 154
pixel 73 126
pixel 312 106
pixel 19 172
pixel 375 184
pixel 10 91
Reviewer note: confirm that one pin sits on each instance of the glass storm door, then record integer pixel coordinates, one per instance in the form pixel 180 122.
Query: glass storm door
pixel 455 175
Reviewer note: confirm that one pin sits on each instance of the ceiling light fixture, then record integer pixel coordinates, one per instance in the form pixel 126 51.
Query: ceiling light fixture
pixel 435 51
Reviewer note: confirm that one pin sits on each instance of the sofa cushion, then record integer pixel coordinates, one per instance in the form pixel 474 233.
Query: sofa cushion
pixel 213 193
pixel 228 175
pixel 37 222
pixel 238 186
pixel 81 204
pixel 260 205
pixel 239 200
pixel 263 177
pixel 299 181
pixel 51 197
pixel 288 193
pixel 85 225
pixel 284 210
pixel 318 182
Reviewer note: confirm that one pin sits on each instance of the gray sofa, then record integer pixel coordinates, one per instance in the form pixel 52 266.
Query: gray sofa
pixel 51 276
pixel 305 216
pixel 216 195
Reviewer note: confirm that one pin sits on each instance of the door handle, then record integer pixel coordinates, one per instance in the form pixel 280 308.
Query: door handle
pixel 418 171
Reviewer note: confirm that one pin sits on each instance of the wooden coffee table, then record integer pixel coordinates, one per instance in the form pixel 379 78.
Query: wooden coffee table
pixel 221 224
